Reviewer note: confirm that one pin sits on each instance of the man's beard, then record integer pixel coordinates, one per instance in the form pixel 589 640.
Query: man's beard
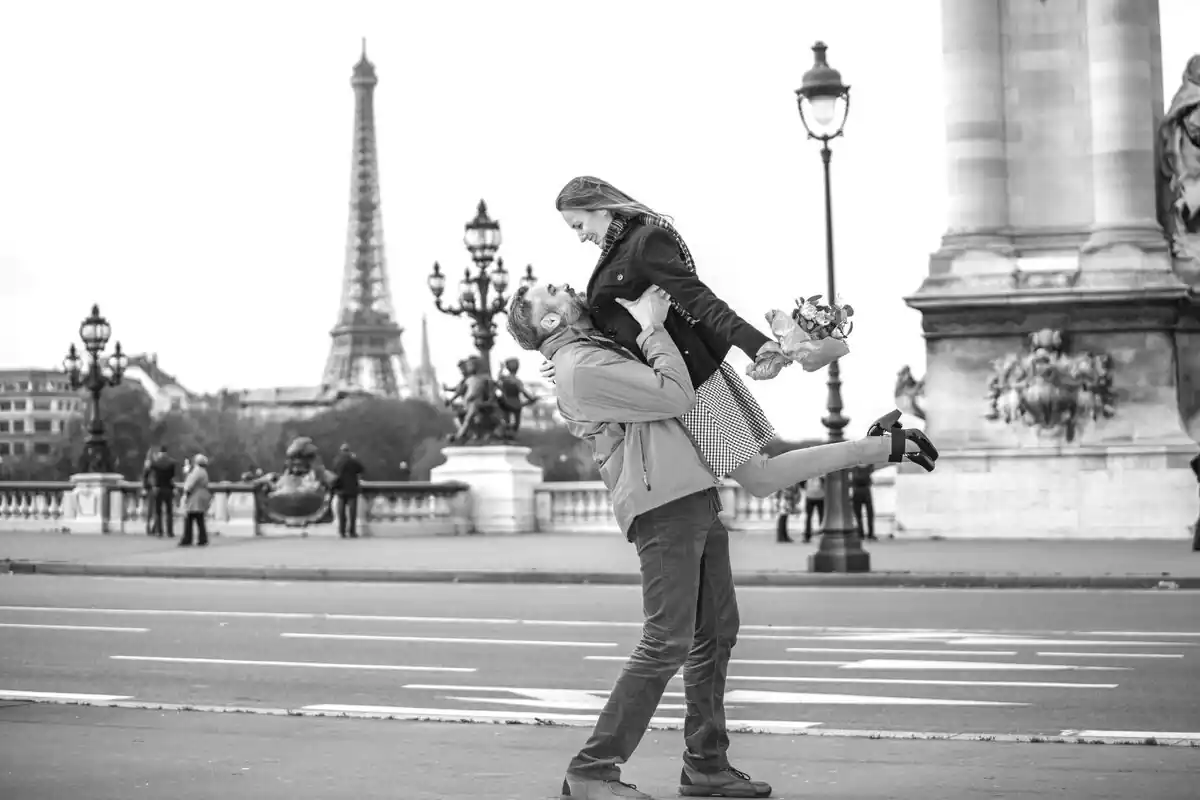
pixel 578 312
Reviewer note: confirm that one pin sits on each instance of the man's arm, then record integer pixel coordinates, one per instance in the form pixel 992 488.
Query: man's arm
pixel 664 266
pixel 608 387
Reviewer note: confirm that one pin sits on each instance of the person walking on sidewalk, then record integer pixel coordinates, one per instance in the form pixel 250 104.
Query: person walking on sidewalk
pixel 197 499
pixel 863 504
pixel 346 485
pixel 162 493
pixel 814 500
pixel 665 499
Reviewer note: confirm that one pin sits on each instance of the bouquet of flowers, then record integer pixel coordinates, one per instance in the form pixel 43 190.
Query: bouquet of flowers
pixel 814 334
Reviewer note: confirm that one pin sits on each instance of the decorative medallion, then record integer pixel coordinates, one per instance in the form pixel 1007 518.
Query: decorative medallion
pixel 1048 389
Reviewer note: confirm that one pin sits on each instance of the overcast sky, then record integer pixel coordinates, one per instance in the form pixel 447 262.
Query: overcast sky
pixel 186 166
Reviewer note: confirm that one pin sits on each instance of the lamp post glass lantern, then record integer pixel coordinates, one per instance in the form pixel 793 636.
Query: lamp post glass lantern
pixel 482 292
pixel 91 375
pixel 824 103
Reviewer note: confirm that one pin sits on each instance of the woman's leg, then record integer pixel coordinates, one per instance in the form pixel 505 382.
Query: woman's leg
pixel 762 476
pixel 778 446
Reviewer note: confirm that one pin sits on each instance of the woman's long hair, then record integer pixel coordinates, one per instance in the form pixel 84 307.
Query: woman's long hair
pixel 586 193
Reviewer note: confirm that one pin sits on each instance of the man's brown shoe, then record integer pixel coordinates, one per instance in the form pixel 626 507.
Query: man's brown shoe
pixel 583 789
pixel 729 782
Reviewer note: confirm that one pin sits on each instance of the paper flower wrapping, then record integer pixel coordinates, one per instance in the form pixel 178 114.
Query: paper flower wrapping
pixel 814 334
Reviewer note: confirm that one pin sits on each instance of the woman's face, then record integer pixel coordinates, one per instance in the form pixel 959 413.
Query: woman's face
pixel 589 226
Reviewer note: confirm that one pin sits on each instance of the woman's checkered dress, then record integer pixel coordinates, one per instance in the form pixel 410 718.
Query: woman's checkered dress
pixel 726 422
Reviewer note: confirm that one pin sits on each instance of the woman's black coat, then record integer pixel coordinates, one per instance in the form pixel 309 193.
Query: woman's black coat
pixel 648 255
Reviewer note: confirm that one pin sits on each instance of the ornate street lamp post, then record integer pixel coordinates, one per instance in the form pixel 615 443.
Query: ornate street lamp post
pixel 824 104
pixel 95 332
pixel 475 291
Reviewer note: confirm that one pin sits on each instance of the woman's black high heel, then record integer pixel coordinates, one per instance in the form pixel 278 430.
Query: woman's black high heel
pixel 890 423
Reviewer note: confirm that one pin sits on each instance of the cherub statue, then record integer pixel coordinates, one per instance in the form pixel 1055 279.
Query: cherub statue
pixel 908 392
pixel 457 393
pixel 514 397
pixel 481 420
pixel 1179 136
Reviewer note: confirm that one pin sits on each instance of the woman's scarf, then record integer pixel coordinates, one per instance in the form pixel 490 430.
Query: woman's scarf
pixel 620 225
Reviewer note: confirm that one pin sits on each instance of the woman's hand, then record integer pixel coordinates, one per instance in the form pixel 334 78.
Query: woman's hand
pixel 769 362
pixel 548 371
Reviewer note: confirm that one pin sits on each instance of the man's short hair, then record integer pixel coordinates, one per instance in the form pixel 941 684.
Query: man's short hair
pixel 521 324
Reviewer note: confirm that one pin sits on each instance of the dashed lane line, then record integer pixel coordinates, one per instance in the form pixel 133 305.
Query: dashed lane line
pixel 582 720
pixel 442 640
pixel 101 628
pixel 917 682
pixel 920 633
pixel 311 664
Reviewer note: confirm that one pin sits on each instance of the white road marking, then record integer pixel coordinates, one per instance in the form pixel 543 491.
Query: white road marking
pixel 1132 734
pixel 918 682
pixel 893 634
pixel 163 612
pixel 16 694
pixel 895 663
pixel 1113 655
pixel 793 698
pixel 1139 633
pixel 315 664
pixel 981 640
pixel 886 651
pixel 74 628
pixel 442 640
pixel 758 661
pixel 477 715
pixel 596 698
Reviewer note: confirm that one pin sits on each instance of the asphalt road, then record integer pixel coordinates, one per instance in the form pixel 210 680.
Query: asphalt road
pixel 925 661
pixel 50 752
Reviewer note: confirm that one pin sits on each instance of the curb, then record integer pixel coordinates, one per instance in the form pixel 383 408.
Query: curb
pixel 761 728
pixel 897 580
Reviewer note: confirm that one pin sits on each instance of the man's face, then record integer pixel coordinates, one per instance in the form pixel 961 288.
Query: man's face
pixel 556 305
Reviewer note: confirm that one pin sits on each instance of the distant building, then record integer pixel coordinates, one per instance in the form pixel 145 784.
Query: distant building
pixel 425 384
pixel 291 402
pixel 36 407
pixel 165 392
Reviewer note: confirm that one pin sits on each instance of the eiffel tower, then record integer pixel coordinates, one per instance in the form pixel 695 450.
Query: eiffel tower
pixel 366 354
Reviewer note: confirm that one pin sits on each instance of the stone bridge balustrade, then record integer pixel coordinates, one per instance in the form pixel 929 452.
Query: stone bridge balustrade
pixel 108 504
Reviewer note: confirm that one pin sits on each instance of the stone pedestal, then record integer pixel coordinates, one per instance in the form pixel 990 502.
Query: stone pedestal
pixel 502 482
pixel 1112 492
pixel 1053 226
pixel 92 501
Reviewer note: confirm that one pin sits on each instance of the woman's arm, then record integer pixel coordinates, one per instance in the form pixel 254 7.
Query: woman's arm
pixel 659 257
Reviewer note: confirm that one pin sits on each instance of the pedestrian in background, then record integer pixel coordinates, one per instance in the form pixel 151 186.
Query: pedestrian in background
pixel 197 498
pixel 347 470
pixel 1196 528
pixel 787 502
pixel 814 500
pixel 863 504
pixel 162 495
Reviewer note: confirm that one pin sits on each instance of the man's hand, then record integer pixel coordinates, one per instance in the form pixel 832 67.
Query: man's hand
pixel 650 309
pixel 769 362
pixel 548 371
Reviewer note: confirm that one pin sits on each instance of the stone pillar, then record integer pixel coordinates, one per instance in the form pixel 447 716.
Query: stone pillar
pixel 503 484
pixel 1121 52
pixel 92 505
pixel 976 168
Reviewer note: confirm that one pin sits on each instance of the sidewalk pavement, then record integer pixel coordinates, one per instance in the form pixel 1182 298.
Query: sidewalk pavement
pixel 607 559
pixel 114 754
